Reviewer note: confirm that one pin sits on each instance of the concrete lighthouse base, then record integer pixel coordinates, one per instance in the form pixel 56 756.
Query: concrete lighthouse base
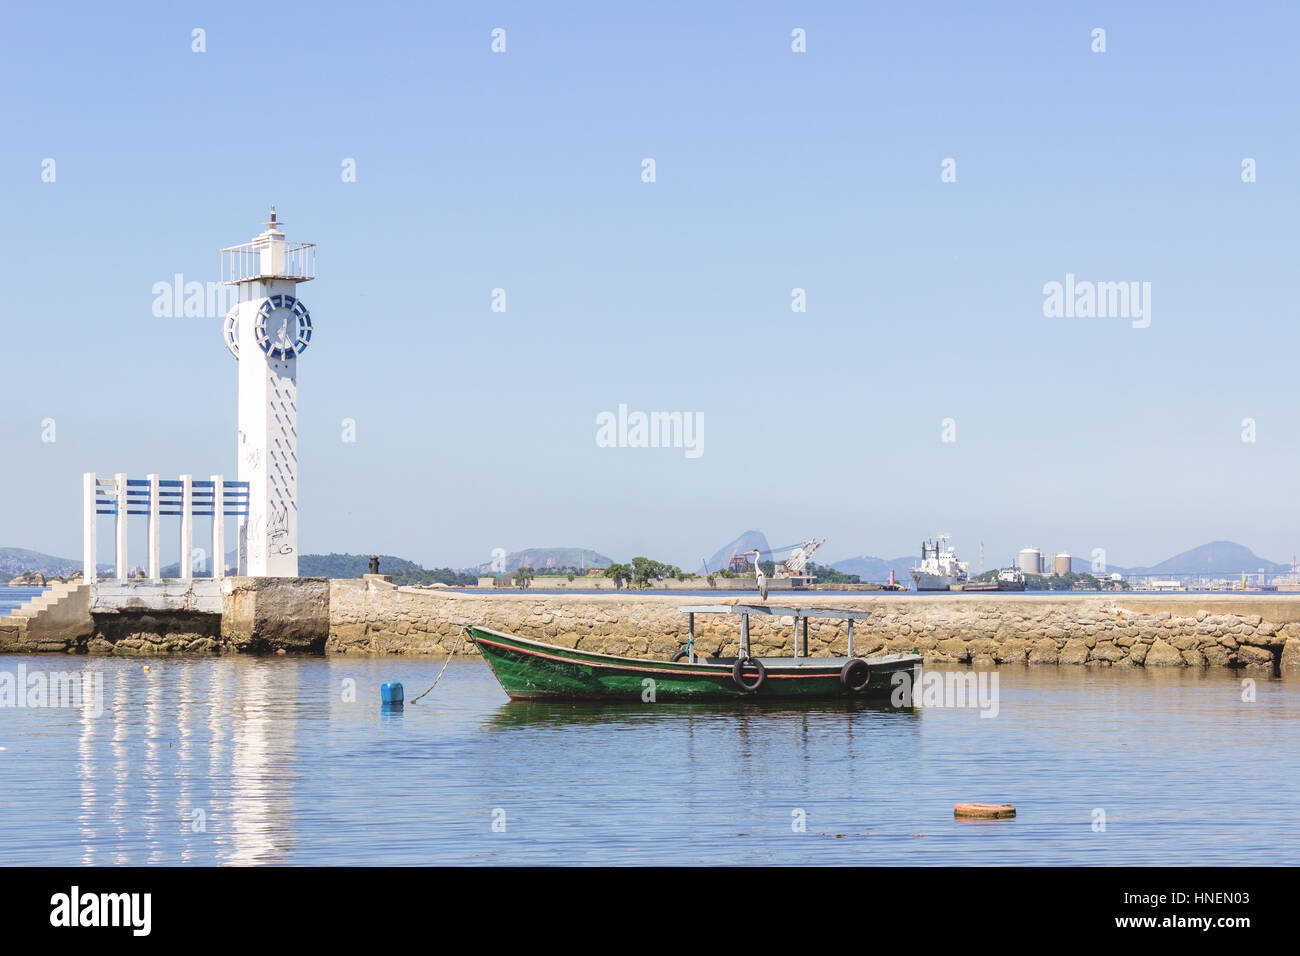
pixel 271 614
pixel 201 616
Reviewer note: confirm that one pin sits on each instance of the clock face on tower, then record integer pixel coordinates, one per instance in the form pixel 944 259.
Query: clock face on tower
pixel 231 331
pixel 282 327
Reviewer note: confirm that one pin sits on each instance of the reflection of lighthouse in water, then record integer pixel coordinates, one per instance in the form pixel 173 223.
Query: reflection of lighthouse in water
pixel 261 802
pixel 193 764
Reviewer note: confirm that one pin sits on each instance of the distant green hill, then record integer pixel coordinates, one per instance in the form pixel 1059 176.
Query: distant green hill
pixel 349 565
pixel 404 572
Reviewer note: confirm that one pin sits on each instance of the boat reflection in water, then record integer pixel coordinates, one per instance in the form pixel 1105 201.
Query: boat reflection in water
pixel 522 713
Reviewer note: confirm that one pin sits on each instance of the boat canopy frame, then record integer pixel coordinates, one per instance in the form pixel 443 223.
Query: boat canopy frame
pixel 801 616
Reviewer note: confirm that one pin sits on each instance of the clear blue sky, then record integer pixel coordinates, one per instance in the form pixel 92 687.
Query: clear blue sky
pixel 775 170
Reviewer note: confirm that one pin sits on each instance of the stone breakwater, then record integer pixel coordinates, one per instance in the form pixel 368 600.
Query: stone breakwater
pixel 1255 632
pixel 371 616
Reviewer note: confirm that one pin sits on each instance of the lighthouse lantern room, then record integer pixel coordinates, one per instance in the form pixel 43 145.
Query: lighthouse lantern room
pixel 266 331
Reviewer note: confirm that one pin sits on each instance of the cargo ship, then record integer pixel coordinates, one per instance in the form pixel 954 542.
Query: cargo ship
pixel 939 569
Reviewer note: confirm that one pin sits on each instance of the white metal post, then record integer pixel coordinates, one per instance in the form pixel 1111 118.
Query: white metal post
pixel 218 527
pixel 850 637
pixel 89 484
pixel 187 527
pixel 120 525
pixel 155 529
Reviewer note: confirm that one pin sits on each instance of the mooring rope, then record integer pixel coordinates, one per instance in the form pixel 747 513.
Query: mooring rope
pixel 463 632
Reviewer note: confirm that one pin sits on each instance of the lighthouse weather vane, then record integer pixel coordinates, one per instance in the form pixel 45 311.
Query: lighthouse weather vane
pixel 267 331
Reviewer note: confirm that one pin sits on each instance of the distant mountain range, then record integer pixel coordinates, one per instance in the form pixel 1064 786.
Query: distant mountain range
pixel 15 561
pixel 872 569
pixel 1217 559
pixel 539 559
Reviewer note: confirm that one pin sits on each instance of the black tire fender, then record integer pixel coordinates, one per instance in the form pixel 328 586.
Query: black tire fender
pixel 855 675
pixel 738 674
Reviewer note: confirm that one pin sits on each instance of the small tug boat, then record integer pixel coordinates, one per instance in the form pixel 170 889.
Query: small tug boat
pixel 530 670
pixel 1008 579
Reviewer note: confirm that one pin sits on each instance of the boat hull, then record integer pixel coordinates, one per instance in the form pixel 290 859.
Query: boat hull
pixel 929 581
pixel 533 670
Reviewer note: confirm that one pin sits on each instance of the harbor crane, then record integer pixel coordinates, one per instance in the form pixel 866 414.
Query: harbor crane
pixel 793 566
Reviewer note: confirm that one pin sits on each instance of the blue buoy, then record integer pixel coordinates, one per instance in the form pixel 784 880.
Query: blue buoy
pixel 391 694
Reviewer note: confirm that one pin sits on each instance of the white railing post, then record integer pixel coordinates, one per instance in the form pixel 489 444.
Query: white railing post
pixel 218 527
pixel 187 527
pixel 155 529
pixel 89 484
pixel 120 525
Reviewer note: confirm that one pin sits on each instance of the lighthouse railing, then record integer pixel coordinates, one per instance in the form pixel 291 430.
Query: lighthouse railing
pixel 156 498
pixel 262 260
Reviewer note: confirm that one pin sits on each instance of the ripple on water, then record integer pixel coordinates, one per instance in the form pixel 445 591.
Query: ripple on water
pixel 283 760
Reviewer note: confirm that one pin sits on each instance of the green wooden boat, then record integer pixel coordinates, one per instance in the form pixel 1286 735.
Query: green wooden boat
pixel 532 670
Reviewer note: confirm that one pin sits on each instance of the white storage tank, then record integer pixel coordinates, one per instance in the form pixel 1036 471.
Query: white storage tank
pixel 1061 563
pixel 1030 561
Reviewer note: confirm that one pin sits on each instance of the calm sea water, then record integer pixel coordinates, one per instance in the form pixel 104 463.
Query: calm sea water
pixel 789 596
pixel 11 598
pixel 253 761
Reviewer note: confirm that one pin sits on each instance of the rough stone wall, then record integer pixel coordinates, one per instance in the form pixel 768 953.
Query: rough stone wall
pixel 14 639
pixel 146 634
pixel 1126 630
pixel 371 616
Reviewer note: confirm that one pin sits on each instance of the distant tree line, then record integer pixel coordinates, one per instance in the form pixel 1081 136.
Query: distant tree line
pixel 412 576
pixel 1071 581
pixel 404 572
pixel 828 575
pixel 641 571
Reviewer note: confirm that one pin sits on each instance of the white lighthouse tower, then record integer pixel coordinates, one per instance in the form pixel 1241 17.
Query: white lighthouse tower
pixel 267 331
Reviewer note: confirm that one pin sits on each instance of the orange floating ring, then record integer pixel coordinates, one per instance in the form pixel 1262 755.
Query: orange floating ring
pixel 984 810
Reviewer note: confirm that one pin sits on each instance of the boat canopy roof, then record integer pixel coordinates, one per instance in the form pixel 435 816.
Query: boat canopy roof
pixel 835 613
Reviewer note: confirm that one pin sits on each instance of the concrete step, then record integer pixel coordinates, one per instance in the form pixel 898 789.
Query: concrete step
pixel 59 591
pixel 60 616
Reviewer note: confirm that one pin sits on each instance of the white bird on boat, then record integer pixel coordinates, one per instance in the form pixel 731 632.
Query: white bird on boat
pixel 759 575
